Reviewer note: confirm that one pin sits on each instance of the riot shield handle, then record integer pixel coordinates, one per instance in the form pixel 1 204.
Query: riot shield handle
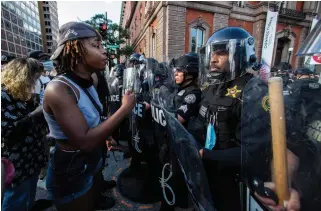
pixel 279 139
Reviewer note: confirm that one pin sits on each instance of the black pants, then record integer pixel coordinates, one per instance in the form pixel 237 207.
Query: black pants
pixel 223 185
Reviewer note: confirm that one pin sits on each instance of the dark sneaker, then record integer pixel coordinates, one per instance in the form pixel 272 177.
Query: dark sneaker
pixel 106 203
pixel 109 184
pixel 41 204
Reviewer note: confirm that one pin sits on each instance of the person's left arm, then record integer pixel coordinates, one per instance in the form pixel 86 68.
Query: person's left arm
pixel 189 107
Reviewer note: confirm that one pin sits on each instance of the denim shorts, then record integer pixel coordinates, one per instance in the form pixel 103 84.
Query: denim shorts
pixel 70 174
pixel 21 197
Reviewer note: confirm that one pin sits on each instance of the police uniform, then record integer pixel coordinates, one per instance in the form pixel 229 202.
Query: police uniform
pixel 229 53
pixel 186 102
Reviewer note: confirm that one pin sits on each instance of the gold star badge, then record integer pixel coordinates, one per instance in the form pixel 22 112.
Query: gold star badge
pixel 232 91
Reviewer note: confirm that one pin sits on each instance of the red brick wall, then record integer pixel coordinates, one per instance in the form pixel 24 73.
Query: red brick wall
pixel 192 15
pixel 141 46
pixel 299 6
pixel 248 26
pixel 253 2
pixel 297 31
pixel 136 19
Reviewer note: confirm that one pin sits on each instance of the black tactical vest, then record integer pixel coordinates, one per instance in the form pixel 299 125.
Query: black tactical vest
pixel 221 104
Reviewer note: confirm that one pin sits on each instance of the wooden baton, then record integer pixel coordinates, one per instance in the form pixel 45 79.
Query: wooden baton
pixel 279 139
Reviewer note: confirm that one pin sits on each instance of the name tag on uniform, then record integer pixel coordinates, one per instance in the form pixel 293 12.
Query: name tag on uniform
pixel 203 111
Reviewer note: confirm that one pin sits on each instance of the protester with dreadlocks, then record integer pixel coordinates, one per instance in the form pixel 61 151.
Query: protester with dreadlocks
pixel 73 112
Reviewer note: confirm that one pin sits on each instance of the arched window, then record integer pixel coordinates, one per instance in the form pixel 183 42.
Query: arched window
pixel 197 38
pixel 198 34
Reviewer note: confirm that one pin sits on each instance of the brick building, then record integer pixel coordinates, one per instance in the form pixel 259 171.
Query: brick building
pixel 165 29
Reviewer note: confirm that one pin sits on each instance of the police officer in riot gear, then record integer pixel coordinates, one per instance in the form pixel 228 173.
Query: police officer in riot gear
pixel 303 73
pixel 229 56
pixel 133 60
pixel 186 70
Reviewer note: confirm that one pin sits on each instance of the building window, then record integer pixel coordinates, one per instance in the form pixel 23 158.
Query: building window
pixel 4 45
pixel 197 38
pixel 10 36
pixel 11 47
pixel 198 34
pixel 47 23
pixel 154 45
pixel 24 51
pixel 18 49
pixel 49 37
pixel 15 29
pixel 6 14
pixel 47 16
pixel 13 18
pixel 20 22
pixel 49 43
pixel 3 34
pixel 28 44
pixel 16 39
pixel 23 42
pixel 48 30
pixel 7 25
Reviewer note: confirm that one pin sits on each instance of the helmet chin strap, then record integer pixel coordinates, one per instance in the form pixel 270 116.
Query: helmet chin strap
pixel 217 77
pixel 188 79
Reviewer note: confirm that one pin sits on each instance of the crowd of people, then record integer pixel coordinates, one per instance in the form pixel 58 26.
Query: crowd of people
pixel 61 114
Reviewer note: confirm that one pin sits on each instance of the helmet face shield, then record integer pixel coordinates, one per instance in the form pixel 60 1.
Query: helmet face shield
pixel 223 61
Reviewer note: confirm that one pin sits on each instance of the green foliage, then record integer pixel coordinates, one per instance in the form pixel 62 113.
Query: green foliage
pixel 116 35
pixel 127 50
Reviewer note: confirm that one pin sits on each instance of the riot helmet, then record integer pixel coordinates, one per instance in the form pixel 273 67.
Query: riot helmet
pixel 142 59
pixel 134 59
pixel 303 72
pixel 185 69
pixel 229 53
pixel 119 71
pixel 152 66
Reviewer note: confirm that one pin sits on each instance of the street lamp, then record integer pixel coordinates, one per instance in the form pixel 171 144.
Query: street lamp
pixel 290 52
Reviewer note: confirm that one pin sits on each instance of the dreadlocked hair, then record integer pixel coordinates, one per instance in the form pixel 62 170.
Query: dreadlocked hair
pixel 71 55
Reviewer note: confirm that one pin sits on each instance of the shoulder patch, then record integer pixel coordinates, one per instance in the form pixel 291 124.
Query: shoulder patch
pixel 181 92
pixel 183 108
pixel 266 103
pixel 190 98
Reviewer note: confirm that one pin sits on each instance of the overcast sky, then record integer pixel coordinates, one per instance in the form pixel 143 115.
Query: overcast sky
pixel 86 9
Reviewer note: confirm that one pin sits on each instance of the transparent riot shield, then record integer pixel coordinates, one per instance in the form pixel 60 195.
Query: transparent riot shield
pixel 182 166
pixel 131 80
pixel 281 145
pixel 115 89
pixel 139 182
pixel 186 154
